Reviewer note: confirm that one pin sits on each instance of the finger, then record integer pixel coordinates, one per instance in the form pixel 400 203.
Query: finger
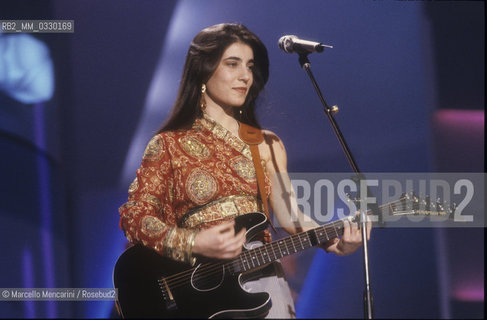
pixel 228 236
pixel 221 235
pixel 225 227
pixel 369 229
pixel 239 239
pixel 232 253
pixel 357 231
pixel 227 224
pixel 346 229
pixel 232 241
pixel 236 240
pixel 354 227
pixel 329 245
pixel 241 235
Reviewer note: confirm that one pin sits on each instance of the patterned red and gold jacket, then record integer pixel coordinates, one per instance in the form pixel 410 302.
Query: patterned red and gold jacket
pixel 189 180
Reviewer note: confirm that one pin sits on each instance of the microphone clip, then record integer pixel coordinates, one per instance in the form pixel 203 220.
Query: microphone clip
pixel 303 59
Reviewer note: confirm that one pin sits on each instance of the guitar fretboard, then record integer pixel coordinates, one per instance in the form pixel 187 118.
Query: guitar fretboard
pixel 270 252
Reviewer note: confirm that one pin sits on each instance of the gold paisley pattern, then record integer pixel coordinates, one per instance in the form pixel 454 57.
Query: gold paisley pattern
pixel 194 147
pixel 204 167
pixel 178 244
pixel 153 200
pixel 134 186
pixel 155 149
pixel 222 208
pixel 243 167
pixel 151 226
pixel 219 131
pixel 201 186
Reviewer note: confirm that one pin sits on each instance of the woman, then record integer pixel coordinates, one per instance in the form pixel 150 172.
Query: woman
pixel 197 175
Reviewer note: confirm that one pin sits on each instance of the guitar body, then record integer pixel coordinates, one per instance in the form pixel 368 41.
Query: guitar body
pixel 150 286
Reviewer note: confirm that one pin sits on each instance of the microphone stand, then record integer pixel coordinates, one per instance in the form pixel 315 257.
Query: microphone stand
pixel 368 298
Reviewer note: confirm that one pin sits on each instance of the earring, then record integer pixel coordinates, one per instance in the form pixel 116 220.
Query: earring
pixel 202 99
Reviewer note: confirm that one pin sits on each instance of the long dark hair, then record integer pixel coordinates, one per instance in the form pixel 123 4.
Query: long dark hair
pixel 202 59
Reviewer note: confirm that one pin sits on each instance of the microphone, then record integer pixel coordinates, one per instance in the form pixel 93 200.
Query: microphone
pixel 291 44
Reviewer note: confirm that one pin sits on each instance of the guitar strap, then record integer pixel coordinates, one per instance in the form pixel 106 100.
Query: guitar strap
pixel 253 137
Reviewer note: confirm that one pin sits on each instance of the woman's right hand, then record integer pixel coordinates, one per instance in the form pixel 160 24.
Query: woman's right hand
pixel 219 242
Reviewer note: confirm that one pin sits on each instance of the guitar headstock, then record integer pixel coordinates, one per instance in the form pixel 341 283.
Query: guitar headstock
pixel 411 204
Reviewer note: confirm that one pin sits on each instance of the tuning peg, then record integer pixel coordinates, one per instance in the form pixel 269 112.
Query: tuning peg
pixel 440 207
pixel 421 204
pixel 410 204
pixel 414 197
pixel 446 205
pixel 446 208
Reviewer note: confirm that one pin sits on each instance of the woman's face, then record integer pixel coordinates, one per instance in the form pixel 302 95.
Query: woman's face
pixel 232 79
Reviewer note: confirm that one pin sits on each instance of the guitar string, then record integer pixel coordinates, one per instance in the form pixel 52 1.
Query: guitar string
pixel 213 268
pixel 207 279
pixel 208 269
pixel 202 276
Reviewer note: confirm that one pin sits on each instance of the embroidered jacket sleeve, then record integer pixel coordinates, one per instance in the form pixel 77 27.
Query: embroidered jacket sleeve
pixel 148 216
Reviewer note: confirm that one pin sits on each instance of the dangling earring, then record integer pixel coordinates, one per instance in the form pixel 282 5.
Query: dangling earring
pixel 202 99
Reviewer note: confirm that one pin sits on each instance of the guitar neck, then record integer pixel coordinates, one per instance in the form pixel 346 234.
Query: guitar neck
pixel 254 258
pixel 272 251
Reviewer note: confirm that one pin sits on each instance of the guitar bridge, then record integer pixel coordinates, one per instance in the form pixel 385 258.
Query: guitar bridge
pixel 167 294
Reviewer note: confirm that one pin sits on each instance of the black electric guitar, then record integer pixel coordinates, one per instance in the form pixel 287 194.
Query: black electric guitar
pixel 152 286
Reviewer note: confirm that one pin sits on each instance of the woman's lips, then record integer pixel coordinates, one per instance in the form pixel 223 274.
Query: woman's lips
pixel 240 89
